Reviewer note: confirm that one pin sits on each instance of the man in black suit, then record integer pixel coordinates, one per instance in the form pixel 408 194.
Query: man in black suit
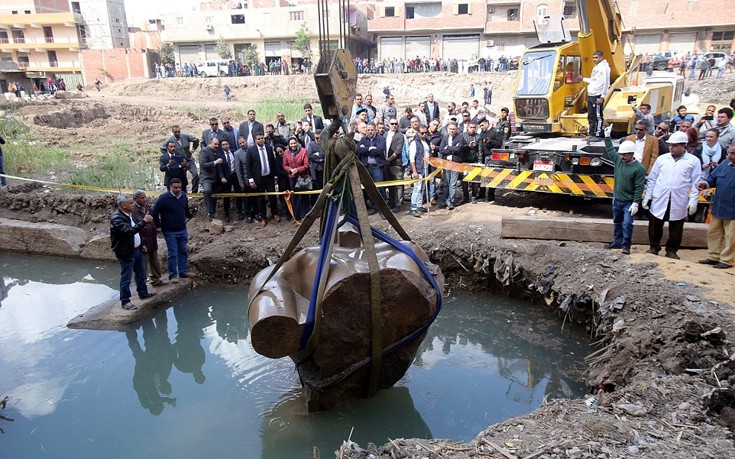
pixel 316 122
pixel 185 144
pixel 431 109
pixel 228 179
pixel 371 150
pixel 451 148
pixel 213 132
pixel 394 164
pixel 250 128
pixel 248 202
pixel 210 159
pixel 260 172
pixel 173 165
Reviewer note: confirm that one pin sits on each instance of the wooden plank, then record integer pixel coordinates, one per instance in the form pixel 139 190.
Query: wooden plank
pixel 591 230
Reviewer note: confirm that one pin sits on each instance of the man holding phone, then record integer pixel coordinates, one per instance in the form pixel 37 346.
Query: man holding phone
pixel 706 121
pixel 173 164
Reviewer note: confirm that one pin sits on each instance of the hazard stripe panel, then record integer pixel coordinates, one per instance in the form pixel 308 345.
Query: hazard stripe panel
pixel 586 185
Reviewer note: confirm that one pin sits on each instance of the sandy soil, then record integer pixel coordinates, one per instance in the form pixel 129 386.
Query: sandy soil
pixel 661 383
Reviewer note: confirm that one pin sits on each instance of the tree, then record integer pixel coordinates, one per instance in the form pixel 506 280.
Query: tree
pixel 166 52
pixel 303 41
pixel 250 55
pixel 222 48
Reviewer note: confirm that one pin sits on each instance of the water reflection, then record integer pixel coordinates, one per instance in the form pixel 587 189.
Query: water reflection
pixel 190 323
pixel 287 430
pixel 153 365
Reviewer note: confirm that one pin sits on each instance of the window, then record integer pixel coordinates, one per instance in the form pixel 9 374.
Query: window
pixel 463 8
pixel 296 15
pixel 542 10
pixel 76 8
pixel 512 14
pixel 179 21
pixel 27 12
pixel 48 34
pixel 722 41
pixel 390 11
pixel 237 18
pixel 570 10
pixel 52 60
pixel 14 12
pixel 23 60
pixel 409 12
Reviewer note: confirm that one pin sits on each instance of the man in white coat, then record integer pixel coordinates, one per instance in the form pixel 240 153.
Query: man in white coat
pixel 671 193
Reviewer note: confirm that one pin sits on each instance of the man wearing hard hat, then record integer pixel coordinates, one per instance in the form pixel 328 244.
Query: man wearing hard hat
pixel 630 180
pixel 671 193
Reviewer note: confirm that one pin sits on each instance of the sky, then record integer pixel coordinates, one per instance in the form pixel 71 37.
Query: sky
pixel 140 10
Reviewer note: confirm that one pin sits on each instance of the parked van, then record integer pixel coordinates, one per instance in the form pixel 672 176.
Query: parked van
pixel 213 68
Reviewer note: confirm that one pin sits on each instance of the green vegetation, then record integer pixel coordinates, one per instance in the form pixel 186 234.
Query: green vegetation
pixel 266 110
pixel 24 157
pixel 126 169
pixel 167 53
pixel 250 55
pixel 222 48
pixel 303 40
pixel 200 111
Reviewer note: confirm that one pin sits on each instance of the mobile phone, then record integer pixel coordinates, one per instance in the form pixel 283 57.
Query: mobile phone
pixel 631 99
pixel 708 117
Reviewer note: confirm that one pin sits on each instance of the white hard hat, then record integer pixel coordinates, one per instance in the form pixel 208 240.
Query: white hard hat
pixel 678 137
pixel 626 147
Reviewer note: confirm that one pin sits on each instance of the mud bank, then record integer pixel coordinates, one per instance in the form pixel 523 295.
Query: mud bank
pixel 661 382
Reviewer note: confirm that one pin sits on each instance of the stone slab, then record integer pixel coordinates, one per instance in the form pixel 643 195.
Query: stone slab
pixel 591 230
pixel 41 238
pixel 111 316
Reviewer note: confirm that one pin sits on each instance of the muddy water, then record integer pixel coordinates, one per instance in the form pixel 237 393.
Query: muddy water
pixel 187 383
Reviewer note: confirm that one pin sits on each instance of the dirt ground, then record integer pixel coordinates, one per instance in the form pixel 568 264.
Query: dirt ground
pixel 661 382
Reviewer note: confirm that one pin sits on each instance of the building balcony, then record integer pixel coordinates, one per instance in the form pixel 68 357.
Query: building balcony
pixel 37 21
pixel 39 44
pixel 444 22
pixel 52 66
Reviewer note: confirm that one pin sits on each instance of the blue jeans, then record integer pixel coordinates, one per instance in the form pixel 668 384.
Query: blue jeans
pixel 127 268
pixel 449 186
pixel 2 170
pixel 177 252
pixel 376 173
pixel 417 198
pixel 622 223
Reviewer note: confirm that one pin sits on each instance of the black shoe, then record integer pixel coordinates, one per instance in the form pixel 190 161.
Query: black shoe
pixel 722 265
pixel 653 251
pixel 613 245
pixel 240 217
pixel 672 255
pixel 288 217
pixel 147 295
pixel 250 219
pixel 395 209
pixel 416 213
pixel 626 251
pixel 227 219
pixel 450 207
pixel 129 306
pixel 473 200
pixel 372 211
pixel 210 217
pixel 423 209
pixel 708 261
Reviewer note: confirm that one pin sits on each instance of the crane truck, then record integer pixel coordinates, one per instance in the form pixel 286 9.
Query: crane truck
pixel 550 151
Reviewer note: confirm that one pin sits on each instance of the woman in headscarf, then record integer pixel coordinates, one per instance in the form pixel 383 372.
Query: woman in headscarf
pixel 296 164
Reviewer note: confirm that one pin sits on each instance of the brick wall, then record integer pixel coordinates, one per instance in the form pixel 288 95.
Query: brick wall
pixel 115 64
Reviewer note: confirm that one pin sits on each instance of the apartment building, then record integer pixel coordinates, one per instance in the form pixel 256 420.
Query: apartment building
pixel 467 29
pixel 269 25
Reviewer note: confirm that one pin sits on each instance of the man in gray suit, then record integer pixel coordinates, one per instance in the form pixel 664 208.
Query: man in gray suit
pixel 394 163
pixel 185 144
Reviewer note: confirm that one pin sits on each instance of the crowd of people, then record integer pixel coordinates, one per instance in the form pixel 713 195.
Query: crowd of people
pixel 707 64
pixel 233 68
pixel 424 64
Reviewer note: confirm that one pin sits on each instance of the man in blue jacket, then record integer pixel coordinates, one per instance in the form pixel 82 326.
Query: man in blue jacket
pixel 721 233
pixel 127 245
pixel 170 214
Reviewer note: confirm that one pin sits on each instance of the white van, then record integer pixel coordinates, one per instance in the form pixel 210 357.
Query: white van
pixel 213 68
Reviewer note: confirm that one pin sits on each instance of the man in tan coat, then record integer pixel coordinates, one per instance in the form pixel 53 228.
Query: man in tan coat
pixel 646 146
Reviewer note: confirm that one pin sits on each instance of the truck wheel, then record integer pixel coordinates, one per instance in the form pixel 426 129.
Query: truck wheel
pixel 202 74
pixel 661 67
pixel 222 73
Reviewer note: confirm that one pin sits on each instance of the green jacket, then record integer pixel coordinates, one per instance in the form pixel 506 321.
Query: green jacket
pixel 630 178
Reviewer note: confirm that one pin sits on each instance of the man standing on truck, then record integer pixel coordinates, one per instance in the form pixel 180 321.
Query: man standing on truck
pixel 598 84
pixel 630 180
